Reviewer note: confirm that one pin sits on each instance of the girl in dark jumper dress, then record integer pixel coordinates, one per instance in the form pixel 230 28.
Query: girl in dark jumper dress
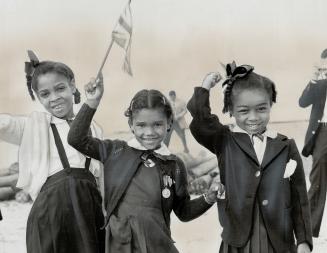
pixel 143 181
pixel 66 215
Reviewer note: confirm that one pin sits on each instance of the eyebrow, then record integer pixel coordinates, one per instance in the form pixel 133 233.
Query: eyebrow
pixel 246 106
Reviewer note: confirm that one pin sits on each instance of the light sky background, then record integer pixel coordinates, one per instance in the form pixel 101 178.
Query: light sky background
pixel 175 43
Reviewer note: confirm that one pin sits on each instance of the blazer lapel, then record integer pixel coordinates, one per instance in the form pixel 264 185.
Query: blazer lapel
pixel 244 142
pixel 273 148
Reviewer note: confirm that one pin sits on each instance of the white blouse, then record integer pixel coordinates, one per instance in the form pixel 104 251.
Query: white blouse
pixel 75 158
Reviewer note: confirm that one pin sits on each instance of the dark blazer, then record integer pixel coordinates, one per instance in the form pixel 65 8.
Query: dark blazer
pixel 121 163
pixel 314 94
pixel 283 201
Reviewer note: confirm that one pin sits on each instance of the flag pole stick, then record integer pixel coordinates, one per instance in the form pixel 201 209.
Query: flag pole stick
pixel 105 58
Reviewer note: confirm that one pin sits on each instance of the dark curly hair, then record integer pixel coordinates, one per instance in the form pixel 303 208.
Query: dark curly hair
pixel 149 99
pixel 249 82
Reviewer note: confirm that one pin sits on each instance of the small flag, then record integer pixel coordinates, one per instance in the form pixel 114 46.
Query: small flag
pixel 122 35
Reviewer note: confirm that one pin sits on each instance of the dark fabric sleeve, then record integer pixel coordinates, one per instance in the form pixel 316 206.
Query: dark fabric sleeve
pixel 185 208
pixel 79 139
pixel 308 95
pixel 300 202
pixel 205 127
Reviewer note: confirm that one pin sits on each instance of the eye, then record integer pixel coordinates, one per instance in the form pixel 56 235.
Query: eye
pixel 61 88
pixel 262 109
pixel 140 124
pixel 158 124
pixel 44 94
pixel 243 111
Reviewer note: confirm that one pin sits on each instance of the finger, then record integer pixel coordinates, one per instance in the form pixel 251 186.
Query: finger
pixel 89 88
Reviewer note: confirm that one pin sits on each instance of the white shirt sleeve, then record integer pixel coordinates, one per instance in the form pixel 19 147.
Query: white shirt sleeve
pixel 12 128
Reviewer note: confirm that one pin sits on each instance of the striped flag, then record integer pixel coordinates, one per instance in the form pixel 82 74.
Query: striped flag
pixel 122 35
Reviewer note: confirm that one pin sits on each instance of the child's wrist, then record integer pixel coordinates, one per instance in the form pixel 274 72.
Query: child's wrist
pixel 206 86
pixel 93 103
pixel 207 199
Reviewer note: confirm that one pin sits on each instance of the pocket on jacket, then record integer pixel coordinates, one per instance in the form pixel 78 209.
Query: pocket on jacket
pixel 120 229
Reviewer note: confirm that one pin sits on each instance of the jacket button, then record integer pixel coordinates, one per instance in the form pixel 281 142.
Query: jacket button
pixel 319 120
pixel 265 202
pixel 313 132
pixel 257 174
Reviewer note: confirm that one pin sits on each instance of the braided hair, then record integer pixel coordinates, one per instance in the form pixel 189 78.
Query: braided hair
pixel 243 78
pixel 149 99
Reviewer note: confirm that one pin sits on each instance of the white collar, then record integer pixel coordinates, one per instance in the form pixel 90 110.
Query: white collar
pixel 269 133
pixel 163 150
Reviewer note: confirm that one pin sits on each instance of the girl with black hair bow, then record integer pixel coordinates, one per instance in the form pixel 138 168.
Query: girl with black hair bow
pixel 265 202
pixel 66 215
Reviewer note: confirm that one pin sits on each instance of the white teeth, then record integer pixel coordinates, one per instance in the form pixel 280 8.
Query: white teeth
pixel 58 107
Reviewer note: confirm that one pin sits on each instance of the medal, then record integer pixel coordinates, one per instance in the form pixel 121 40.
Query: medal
pixel 166 193
pixel 147 161
pixel 167 182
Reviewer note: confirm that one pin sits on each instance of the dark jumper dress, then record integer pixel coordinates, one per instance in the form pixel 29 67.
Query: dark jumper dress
pixel 67 214
pixel 138 224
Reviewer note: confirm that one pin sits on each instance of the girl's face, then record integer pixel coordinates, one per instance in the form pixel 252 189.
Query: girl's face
pixel 251 109
pixel 150 127
pixel 55 93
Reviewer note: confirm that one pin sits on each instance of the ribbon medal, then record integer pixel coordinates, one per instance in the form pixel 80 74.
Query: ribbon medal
pixel 167 181
pixel 147 161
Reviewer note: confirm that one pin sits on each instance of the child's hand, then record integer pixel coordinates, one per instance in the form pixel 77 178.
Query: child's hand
pixel 216 189
pixel 303 248
pixel 211 80
pixel 94 91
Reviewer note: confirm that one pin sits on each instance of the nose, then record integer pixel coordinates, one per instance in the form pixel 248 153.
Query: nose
pixel 149 131
pixel 253 116
pixel 53 96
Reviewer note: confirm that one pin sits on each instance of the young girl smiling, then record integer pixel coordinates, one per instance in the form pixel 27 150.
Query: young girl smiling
pixel 265 199
pixel 66 215
pixel 143 181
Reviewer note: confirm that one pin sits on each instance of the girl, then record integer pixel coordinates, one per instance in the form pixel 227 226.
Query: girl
pixel 143 181
pixel 264 203
pixel 67 214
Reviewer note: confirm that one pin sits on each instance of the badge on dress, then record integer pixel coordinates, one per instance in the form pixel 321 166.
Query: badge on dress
pixel 166 193
pixel 167 181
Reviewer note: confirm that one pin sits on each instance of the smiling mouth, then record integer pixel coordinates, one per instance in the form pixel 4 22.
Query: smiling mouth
pixel 57 107
pixel 253 126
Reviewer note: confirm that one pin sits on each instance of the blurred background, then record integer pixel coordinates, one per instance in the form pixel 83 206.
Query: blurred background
pixel 174 44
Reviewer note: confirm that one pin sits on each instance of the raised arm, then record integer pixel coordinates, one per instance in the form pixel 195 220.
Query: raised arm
pixel 308 96
pixel 205 127
pixel 78 136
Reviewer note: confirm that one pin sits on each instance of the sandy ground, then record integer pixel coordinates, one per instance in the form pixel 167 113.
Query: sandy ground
pixel 200 235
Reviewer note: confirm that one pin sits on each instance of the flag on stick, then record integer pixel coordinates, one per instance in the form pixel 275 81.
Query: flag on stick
pixel 122 35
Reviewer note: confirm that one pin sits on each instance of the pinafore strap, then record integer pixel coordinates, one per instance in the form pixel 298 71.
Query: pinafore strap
pixel 61 150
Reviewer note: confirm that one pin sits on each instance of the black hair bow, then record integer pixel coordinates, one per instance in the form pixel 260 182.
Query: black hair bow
pixel 32 64
pixel 236 72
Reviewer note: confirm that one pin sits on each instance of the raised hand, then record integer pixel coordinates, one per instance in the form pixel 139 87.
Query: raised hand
pixel 94 91
pixel 211 80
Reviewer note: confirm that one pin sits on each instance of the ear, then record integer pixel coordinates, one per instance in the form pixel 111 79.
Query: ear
pixel 170 123
pixel 131 125
pixel 73 85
